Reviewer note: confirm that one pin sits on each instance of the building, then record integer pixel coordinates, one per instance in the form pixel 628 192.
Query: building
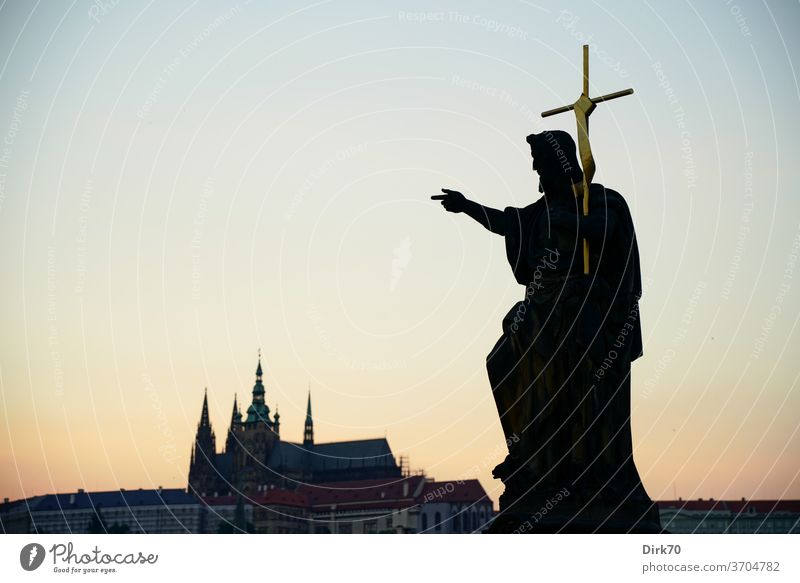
pixel 731 516
pixel 455 507
pixel 274 511
pixel 408 505
pixel 160 511
pixel 364 507
pixel 256 459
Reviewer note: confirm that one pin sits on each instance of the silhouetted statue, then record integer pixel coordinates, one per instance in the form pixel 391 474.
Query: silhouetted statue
pixel 560 373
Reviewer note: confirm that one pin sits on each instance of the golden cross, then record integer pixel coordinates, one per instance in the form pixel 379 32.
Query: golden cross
pixel 583 108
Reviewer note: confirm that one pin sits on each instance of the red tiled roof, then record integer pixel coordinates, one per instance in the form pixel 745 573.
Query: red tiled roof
pixel 280 497
pixel 454 491
pixel 382 493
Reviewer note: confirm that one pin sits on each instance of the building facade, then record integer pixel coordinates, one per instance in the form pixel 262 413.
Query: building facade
pixel 731 516
pixel 159 511
pixel 408 505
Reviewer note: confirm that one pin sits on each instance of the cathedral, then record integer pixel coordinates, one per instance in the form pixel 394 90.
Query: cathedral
pixel 255 458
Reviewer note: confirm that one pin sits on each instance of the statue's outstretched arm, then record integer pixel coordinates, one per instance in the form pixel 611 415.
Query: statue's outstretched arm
pixel 455 202
pixel 492 219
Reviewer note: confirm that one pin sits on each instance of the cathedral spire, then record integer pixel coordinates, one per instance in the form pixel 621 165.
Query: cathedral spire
pixel 202 473
pixel 235 409
pixel 236 421
pixel 308 431
pixel 204 420
pixel 258 411
pixel 258 388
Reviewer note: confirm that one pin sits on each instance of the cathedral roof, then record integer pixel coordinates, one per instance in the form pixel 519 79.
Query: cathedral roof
pixel 360 453
pixel 367 452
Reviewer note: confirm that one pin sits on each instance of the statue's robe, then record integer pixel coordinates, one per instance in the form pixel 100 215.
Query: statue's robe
pixel 560 373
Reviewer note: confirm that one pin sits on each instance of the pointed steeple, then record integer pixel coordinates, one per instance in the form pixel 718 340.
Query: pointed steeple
pixel 202 475
pixel 205 433
pixel 258 388
pixel 236 421
pixel 308 430
pixel 204 420
pixel 258 411
pixel 235 415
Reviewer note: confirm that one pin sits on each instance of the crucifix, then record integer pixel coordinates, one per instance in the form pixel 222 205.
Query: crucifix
pixel 583 108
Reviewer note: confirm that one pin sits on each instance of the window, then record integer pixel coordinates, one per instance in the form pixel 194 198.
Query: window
pixel 424 521
pixel 370 526
pixel 437 519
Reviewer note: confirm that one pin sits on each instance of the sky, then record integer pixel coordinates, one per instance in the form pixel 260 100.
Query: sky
pixel 185 183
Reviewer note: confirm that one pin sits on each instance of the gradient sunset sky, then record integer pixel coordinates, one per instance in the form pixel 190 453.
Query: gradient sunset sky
pixel 182 183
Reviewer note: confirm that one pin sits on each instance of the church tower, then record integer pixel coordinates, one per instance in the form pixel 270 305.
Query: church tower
pixel 258 435
pixel 258 411
pixel 308 430
pixel 202 470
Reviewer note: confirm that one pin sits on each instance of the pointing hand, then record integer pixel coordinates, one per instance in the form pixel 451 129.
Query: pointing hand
pixel 452 200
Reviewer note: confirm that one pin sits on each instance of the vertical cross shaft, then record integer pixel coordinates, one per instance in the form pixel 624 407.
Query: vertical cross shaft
pixel 586 69
pixel 583 108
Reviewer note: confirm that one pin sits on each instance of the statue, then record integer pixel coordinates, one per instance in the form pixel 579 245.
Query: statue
pixel 561 371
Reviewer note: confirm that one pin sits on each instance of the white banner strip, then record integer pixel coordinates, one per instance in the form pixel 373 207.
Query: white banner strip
pixel 399 558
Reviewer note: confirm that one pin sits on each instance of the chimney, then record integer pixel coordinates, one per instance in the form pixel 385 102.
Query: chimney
pixel 80 490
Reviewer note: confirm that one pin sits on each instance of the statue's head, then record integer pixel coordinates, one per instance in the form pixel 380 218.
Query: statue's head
pixel 555 160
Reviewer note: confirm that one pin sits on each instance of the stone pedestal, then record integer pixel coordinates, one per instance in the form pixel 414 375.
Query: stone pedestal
pixel 576 512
